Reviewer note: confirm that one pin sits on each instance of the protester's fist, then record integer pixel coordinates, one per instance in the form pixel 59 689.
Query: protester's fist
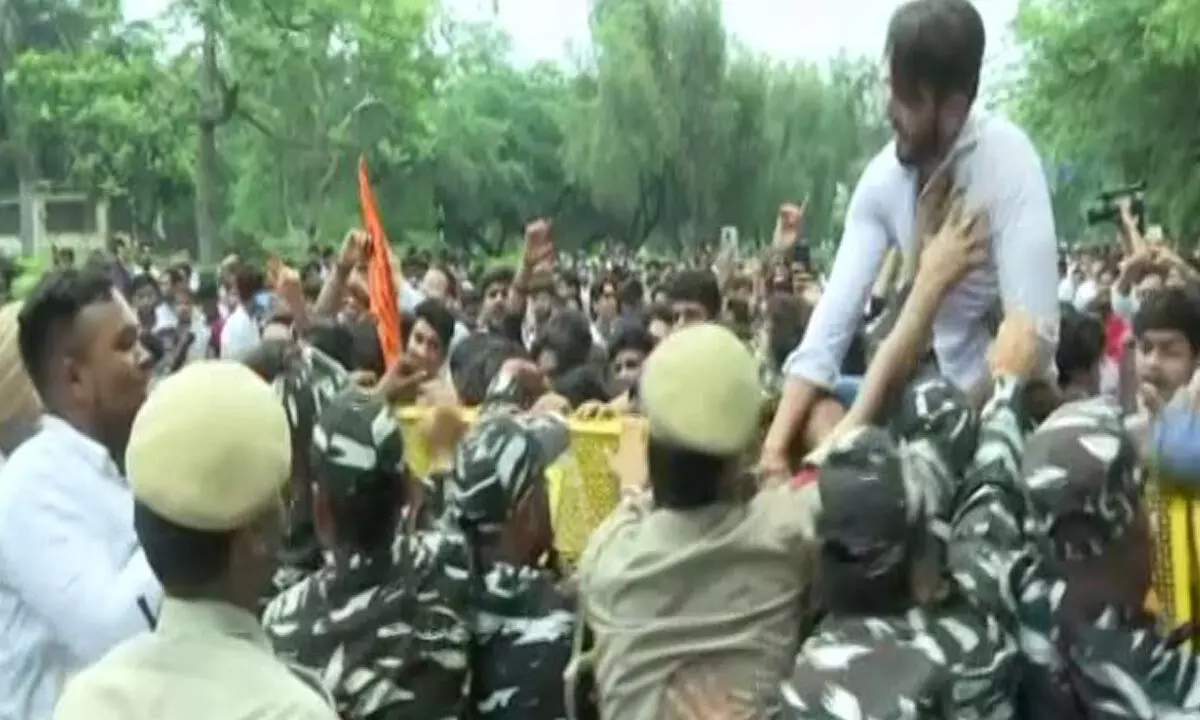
pixel 790 216
pixel 539 244
pixel 1014 352
pixel 787 227
pixel 288 284
pixel 354 249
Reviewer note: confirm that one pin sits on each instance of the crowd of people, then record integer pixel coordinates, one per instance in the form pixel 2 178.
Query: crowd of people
pixel 918 485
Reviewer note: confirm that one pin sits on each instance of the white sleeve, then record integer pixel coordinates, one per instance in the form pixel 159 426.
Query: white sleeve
pixel 839 312
pixel 52 561
pixel 1024 244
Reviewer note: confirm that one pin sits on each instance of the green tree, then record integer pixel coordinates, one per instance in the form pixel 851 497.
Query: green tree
pixel 1109 86
pixel 90 104
pixel 38 26
pixel 496 161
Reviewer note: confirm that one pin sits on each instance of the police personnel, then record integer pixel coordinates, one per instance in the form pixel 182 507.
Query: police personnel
pixel 208 459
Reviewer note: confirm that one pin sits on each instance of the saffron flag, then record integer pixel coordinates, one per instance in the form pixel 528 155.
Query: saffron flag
pixel 381 282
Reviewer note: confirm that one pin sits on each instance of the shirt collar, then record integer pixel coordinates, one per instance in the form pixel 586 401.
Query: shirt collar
pixel 209 617
pixel 79 444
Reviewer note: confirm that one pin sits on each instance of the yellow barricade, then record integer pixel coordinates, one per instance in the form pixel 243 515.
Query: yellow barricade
pixel 1175 513
pixel 581 488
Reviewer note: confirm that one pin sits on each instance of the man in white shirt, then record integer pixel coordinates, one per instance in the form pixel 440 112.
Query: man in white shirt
pixel 239 332
pixel 935 49
pixel 73 580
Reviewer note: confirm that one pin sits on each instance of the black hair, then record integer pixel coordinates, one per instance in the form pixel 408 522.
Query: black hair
pixel 496 276
pixel 937 44
pixel 186 562
pixel 787 319
pixel 660 312
pixel 1171 308
pixel 207 289
pixel 630 336
pixel 48 316
pixel 451 280
pixel 475 362
pixel 567 334
pixel 570 279
pixel 143 280
pixel 698 286
pixel 439 318
pixel 581 384
pixel 631 295
pixel 1080 344
pixel 368 353
pixel 248 280
pixel 683 479
pixel 597 289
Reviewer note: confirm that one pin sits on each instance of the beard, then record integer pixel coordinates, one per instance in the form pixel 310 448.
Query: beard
pixel 915 149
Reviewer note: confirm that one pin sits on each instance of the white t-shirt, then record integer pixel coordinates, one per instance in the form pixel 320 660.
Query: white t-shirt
pixel 996 165
pixel 239 334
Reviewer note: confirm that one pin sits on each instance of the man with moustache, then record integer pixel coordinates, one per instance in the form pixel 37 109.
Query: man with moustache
pixel 935 52
pixel 73 580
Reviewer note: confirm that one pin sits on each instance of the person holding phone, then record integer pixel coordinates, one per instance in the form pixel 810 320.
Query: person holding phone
pixel 935 52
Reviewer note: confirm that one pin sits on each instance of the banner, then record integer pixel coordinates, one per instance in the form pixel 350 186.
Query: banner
pixel 381 283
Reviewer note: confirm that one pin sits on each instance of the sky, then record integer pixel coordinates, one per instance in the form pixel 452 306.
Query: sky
pixel 782 29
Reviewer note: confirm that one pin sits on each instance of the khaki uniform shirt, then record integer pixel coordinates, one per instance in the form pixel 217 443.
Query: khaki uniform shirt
pixel 723 586
pixel 205 660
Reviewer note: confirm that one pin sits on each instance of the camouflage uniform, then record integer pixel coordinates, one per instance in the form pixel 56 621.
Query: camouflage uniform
pixel 1079 465
pixel 523 623
pixel 309 380
pixel 386 628
pixel 883 506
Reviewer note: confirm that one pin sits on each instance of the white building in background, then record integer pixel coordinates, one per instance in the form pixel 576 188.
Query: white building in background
pixel 63 220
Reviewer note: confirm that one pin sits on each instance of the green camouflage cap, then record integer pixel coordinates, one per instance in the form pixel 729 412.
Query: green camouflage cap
pixel 935 410
pixel 1080 469
pixel 357 447
pixel 500 459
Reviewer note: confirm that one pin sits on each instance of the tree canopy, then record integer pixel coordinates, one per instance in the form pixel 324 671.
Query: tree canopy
pixel 659 132
pixel 1108 90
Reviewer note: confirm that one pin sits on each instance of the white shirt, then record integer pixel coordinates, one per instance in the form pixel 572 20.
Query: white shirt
pixel 71 570
pixel 1067 289
pixel 239 334
pixel 999 170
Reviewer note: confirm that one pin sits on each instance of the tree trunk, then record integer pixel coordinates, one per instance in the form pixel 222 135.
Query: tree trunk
pixel 27 183
pixel 206 149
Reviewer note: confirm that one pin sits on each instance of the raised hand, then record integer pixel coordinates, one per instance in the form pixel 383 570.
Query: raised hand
pixel 539 245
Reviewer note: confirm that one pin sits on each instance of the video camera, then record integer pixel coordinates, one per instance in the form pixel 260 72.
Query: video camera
pixel 1105 209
